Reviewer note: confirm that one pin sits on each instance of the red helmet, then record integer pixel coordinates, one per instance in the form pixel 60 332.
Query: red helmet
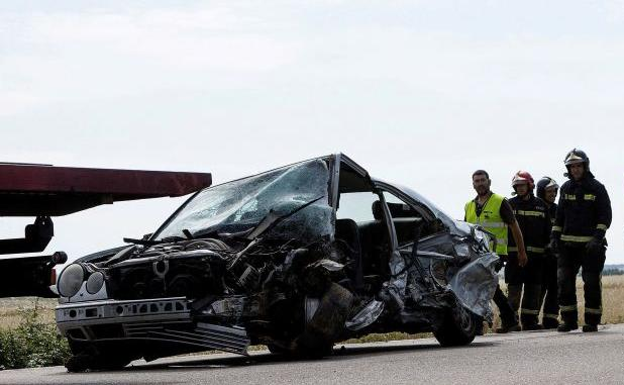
pixel 521 177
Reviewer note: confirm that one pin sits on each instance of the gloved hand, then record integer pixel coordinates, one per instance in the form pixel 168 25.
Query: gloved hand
pixel 553 246
pixel 594 246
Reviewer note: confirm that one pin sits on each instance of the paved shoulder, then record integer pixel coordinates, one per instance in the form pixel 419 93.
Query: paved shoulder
pixel 534 357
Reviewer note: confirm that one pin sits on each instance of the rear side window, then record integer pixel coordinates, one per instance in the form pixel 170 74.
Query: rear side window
pixel 357 206
pixel 404 218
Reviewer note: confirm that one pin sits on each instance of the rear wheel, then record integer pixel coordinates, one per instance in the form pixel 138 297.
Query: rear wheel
pixel 458 328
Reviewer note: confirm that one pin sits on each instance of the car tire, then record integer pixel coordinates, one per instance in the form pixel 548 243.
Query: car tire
pixel 89 357
pixel 313 346
pixel 458 328
pixel 275 349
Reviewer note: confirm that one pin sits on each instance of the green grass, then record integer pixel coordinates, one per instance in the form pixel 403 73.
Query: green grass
pixel 33 343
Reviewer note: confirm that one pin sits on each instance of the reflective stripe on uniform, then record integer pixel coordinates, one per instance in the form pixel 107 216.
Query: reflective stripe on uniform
pixel 569 197
pixel 554 316
pixel 589 197
pixel 602 227
pixel 493 225
pixel 537 250
pixel 567 308
pixel 529 311
pixel 530 213
pixel 589 310
pixel 557 229
pixel 501 241
pixel 576 238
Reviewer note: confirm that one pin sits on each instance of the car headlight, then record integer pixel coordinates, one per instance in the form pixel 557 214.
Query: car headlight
pixel 71 280
pixel 95 282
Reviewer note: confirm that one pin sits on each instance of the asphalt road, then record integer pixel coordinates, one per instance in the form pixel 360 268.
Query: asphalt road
pixel 540 357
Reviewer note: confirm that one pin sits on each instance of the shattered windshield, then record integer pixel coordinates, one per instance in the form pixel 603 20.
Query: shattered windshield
pixel 242 204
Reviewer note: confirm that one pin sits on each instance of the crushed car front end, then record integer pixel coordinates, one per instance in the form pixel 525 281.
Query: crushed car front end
pixel 246 262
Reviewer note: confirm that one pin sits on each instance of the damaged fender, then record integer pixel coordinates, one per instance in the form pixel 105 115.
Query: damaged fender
pixel 475 283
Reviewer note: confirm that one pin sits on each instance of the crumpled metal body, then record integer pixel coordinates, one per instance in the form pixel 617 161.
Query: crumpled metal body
pixel 366 316
pixel 475 284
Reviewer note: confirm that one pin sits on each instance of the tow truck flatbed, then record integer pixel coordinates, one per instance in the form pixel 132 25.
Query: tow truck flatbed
pixel 44 191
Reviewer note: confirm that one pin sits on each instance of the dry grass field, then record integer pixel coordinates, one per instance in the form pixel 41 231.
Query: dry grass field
pixel 612 300
pixel 12 309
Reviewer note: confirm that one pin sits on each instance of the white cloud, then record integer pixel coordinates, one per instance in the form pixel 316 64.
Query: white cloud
pixel 68 56
pixel 409 90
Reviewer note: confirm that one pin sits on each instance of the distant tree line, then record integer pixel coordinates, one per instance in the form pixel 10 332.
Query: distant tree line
pixel 607 271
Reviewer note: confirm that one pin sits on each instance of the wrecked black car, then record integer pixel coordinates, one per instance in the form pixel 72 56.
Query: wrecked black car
pixel 297 258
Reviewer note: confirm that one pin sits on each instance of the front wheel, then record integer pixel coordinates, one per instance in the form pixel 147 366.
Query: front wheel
pixel 458 328
pixel 88 357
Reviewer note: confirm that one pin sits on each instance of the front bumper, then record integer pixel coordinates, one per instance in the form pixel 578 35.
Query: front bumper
pixel 161 320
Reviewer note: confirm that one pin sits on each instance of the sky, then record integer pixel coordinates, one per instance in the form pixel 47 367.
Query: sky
pixel 421 93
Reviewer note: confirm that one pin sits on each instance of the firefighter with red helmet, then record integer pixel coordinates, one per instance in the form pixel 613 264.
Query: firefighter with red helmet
pixel 525 283
pixel 583 217
pixel 547 189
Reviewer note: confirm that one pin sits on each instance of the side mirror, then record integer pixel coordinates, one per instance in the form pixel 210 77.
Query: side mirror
pixel 146 236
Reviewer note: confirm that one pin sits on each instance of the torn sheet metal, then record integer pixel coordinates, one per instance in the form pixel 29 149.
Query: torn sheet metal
pixel 393 291
pixel 475 284
pixel 366 316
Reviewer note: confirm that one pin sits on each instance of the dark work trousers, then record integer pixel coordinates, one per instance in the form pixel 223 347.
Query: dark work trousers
pixel 550 314
pixel 508 316
pixel 573 257
pixel 528 278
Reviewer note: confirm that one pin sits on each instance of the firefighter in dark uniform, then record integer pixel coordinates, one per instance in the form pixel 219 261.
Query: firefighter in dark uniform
pixel 547 189
pixel 534 221
pixel 583 217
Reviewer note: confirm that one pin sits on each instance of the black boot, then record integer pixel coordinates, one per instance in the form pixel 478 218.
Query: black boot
pixel 550 323
pixel 566 327
pixel 590 328
pixel 531 326
pixel 505 328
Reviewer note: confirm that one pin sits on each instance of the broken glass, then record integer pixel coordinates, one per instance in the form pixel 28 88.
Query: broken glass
pixel 242 204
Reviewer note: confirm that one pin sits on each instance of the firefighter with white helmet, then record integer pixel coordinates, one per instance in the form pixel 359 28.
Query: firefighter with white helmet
pixel 583 217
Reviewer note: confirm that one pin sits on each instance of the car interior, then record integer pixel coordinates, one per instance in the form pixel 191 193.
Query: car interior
pixel 361 228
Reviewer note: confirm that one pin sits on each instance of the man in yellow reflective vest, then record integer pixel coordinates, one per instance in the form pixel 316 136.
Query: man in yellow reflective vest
pixel 494 214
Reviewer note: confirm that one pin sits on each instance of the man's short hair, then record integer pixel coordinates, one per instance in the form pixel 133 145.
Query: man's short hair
pixel 480 172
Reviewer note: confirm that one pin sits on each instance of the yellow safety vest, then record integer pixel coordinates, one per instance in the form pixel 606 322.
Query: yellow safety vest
pixel 491 220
